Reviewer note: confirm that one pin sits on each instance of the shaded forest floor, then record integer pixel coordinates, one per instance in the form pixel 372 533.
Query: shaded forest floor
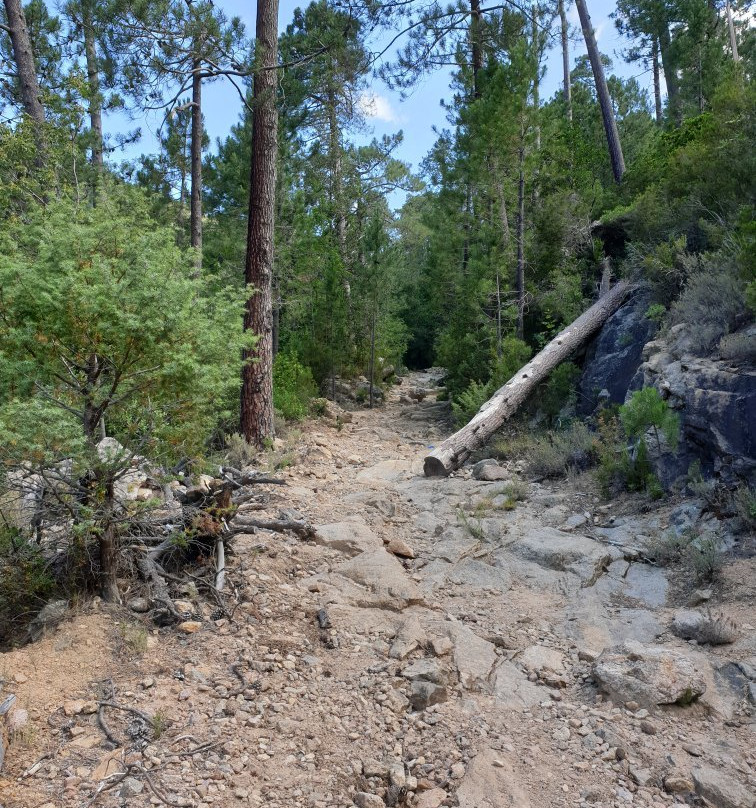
pixel 434 645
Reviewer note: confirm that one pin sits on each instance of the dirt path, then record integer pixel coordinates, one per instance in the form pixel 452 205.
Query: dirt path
pixel 434 646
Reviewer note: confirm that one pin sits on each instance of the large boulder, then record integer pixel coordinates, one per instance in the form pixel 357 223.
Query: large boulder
pixel 721 790
pixel 649 675
pixel 47 619
pixel 614 356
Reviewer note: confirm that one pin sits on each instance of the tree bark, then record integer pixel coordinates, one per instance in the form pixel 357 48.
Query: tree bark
pixel 195 211
pixel 520 273
pixel 257 379
pixel 566 84
pixel 109 551
pixel 536 74
pixel 93 79
pixel 25 70
pixel 731 29
pixel 453 452
pixel 475 43
pixel 670 76
pixel 657 80
pixel 602 91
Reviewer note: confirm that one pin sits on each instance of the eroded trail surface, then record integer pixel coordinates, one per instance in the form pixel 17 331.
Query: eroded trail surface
pixel 439 644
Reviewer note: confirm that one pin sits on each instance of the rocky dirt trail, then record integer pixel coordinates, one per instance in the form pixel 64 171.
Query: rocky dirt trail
pixel 478 641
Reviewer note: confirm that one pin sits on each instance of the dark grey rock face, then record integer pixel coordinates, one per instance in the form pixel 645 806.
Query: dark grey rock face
pixel 714 397
pixel 615 355
pixel 717 405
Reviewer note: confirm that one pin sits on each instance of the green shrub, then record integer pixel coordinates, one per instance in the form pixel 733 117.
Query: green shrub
pixel 293 386
pixel 559 391
pixel 469 401
pixel 239 453
pixel 695 557
pixel 26 583
pixel 516 490
pixel 514 354
pixel 744 501
pixel 656 312
pixel 619 467
pixel 738 347
pixel 705 559
pixel 648 410
pixel 711 303
pixel 554 454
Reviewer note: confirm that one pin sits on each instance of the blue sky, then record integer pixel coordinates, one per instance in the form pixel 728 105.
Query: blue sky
pixel 387 112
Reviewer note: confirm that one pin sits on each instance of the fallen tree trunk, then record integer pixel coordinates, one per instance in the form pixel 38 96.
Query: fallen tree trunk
pixel 453 452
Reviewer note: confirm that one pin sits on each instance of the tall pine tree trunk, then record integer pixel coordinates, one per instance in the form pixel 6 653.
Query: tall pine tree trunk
pixel 566 85
pixel 657 80
pixel 670 75
pixel 195 211
pixel 257 379
pixel 475 44
pixel 93 79
pixel 520 275
pixel 23 56
pixel 731 29
pixel 536 73
pixel 602 91
pixel 337 193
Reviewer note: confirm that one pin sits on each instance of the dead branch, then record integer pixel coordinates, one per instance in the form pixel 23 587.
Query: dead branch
pixel 301 529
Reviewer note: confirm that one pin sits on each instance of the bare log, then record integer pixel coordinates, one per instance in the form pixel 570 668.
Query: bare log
pixel 301 529
pixel 453 452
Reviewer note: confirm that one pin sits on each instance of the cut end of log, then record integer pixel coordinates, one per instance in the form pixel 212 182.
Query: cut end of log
pixel 433 467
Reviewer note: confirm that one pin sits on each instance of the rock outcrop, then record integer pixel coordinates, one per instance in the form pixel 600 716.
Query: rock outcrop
pixel 715 401
pixel 615 355
pixel 648 675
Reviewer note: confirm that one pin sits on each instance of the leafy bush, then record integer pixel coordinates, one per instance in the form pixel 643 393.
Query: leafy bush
pixel 621 467
pixel 554 454
pixel 101 316
pixel 648 410
pixel 739 347
pixel 469 401
pixel 656 312
pixel 547 454
pixel 26 583
pixel 628 467
pixel 705 559
pixel 696 557
pixel 514 354
pixel 293 386
pixel 663 266
pixel 559 391
pixel 744 500
pixel 711 303
pixel 238 452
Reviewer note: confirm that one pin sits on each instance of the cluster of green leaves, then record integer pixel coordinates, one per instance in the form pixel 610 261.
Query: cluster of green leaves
pixel 622 443
pixel 498 371
pixel 101 315
pixel 26 582
pixel 293 386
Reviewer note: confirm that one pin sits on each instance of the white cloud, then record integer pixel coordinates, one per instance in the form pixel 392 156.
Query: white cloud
pixel 377 106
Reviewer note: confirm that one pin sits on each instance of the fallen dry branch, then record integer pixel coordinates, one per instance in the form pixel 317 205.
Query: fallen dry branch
pixel 125 708
pixel 453 452
pixel 301 529
pixel 249 479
